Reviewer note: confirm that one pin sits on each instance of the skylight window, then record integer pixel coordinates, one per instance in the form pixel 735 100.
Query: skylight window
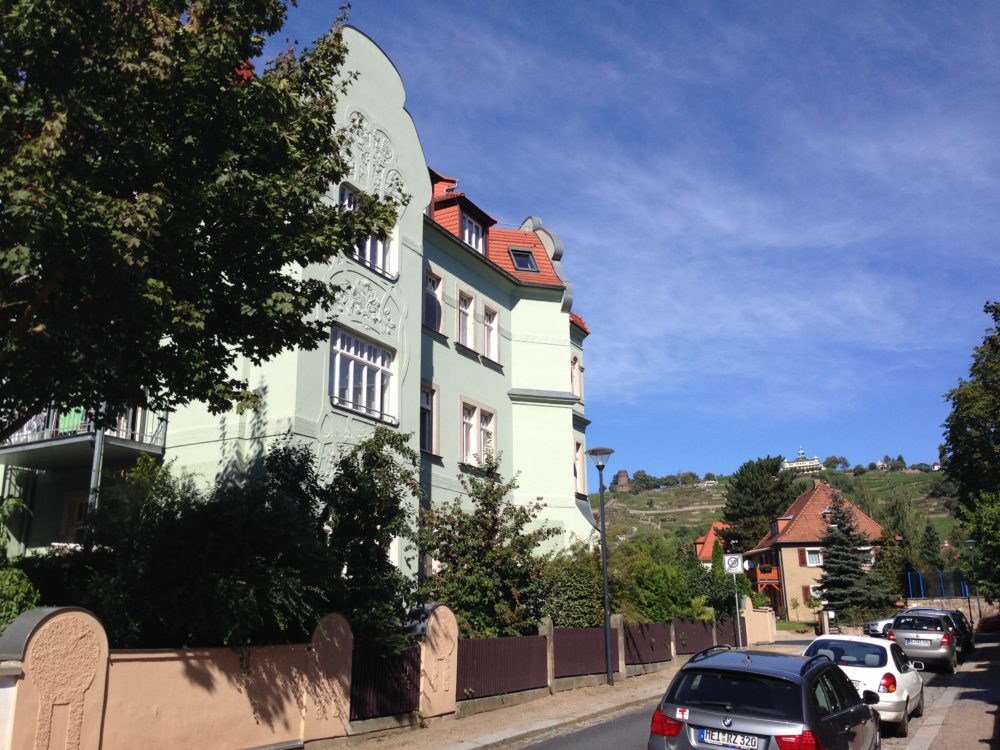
pixel 524 260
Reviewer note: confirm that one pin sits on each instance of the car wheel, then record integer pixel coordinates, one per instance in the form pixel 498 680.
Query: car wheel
pixel 952 666
pixel 919 710
pixel 877 745
pixel 903 727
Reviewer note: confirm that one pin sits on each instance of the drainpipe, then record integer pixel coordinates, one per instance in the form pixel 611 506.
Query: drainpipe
pixel 95 480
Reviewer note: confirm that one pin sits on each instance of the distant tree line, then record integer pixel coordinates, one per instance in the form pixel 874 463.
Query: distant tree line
pixel 641 480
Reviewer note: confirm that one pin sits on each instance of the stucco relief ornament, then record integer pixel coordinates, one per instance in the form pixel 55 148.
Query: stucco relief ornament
pixel 365 302
pixel 372 155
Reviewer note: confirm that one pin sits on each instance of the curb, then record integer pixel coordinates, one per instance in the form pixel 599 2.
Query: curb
pixel 497 742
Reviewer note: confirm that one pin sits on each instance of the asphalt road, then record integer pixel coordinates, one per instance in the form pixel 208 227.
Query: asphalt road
pixel 960 713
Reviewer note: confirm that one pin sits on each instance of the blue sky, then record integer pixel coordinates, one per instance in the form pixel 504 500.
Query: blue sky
pixel 780 219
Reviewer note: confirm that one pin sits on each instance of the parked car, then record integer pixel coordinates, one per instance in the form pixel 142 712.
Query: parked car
pixel 757 700
pixel 966 638
pixel 877 628
pixel 989 624
pixel 931 638
pixel 879 666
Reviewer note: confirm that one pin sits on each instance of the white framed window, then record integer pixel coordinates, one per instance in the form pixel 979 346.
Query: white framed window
pixel 433 288
pixel 372 252
pixel 472 233
pixel 466 319
pixel 814 558
pixel 580 469
pixel 361 376
pixel 478 432
pixel 491 339
pixel 428 419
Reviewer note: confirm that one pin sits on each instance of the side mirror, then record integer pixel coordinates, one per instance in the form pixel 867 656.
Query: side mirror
pixel 918 665
pixel 870 697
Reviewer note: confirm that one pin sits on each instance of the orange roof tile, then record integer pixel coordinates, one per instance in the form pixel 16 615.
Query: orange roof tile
pixel 578 322
pixel 502 240
pixel 706 544
pixel 806 523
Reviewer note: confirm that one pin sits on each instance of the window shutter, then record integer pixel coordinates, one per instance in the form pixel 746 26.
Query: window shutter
pixel 806 594
pixel 802 557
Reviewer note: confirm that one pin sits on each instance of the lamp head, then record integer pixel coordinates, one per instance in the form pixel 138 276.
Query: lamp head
pixel 600 456
pixel 970 543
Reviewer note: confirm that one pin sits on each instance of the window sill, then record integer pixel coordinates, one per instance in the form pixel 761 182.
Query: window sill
pixel 377 419
pixel 468 351
pixel 491 363
pixel 475 469
pixel 434 333
pixel 393 277
pixel 432 456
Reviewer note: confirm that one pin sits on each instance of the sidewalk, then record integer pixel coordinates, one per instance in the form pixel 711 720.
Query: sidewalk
pixel 577 708
pixel 966 715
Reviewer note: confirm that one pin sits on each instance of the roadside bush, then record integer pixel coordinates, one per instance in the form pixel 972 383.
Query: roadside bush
pixel 574 589
pixel 258 560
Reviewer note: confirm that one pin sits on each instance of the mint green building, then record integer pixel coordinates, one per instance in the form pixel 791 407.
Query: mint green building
pixel 455 330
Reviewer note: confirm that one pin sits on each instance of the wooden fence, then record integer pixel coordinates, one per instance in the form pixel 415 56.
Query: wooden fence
pixel 495 666
pixel 692 637
pixel 384 685
pixel 647 643
pixel 581 651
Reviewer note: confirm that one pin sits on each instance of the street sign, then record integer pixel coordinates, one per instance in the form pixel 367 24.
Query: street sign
pixel 732 563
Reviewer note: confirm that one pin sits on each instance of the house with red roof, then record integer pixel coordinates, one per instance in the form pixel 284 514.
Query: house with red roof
pixel 788 562
pixel 705 545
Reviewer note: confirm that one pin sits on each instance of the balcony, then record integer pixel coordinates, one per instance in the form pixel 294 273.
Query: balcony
pixel 64 439
pixel 767 575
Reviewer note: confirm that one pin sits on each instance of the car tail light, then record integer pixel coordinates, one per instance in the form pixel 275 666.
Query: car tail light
pixel 945 640
pixel 665 726
pixel 805 741
pixel 890 635
pixel 887 684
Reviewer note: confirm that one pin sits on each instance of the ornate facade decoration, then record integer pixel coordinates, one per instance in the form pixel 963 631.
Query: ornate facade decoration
pixel 363 301
pixel 372 160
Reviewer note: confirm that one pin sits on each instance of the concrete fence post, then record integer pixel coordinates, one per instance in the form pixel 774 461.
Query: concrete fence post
pixel 618 624
pixel 547 629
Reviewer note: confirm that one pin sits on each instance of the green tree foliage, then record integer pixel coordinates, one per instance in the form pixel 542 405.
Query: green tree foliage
pixel 984 524
pixel 757 492
pixel 640 481
pixel 930 549
pixel 647 584
pixel 688 477
pixel 257 560
pixel 489 570
pixel 574 589
pixel 885 580
pixel 17 592
pixel 842 580
pixel 971 449
pixel 160 200
pixel 831 462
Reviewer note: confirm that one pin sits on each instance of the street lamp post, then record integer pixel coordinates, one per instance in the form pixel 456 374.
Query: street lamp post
pixel 600 458
pixel 971 543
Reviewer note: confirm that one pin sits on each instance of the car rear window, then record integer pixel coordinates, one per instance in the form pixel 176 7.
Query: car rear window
pixel 850 653
pixel 739 693
pixel 918 622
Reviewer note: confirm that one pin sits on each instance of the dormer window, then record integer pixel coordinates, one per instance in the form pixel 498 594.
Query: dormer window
pixel 472 233
pixel 524 259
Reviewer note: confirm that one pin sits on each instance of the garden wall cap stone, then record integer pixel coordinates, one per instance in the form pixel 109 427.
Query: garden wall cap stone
pixel 14 640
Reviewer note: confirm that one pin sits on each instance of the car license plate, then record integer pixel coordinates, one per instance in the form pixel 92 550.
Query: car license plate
pixel 917 642
pixel 728 739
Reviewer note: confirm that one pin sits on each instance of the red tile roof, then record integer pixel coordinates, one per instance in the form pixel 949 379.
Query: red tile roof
pixel 500 243
pixel 704 545
pixel 804 521
pixel 578 322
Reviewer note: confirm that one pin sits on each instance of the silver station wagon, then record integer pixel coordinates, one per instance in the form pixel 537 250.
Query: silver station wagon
pixel 930 638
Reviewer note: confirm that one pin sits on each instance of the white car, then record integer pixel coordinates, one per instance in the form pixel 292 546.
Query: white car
pixel 880 666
